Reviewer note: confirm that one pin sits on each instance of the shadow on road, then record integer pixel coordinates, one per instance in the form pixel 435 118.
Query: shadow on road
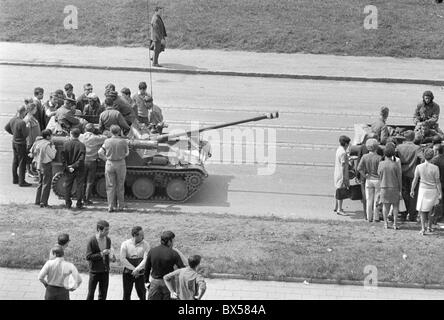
pixel 177 66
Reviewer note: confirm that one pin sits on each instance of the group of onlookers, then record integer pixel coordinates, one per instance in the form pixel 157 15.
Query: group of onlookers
pixel 96 132
pixel 397 169
pixel 141 265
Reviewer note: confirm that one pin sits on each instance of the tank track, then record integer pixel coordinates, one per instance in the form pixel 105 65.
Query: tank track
pixel 161 179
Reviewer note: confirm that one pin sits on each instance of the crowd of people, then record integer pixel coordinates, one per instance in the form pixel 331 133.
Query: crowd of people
pixel 400 171
pixel 142 266
pixel 36 122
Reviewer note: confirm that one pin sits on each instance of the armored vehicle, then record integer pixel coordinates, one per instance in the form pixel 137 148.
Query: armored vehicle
pixel 161 168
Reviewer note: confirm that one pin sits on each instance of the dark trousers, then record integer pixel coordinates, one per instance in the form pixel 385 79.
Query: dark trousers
pixel 410 203
pixel 44 187
pixel 56 293
pixel 90 176
pixel 139 283
pixel 19 162
pixel 158 290
pixel 102 278
pixel 79 176
pixel 157 50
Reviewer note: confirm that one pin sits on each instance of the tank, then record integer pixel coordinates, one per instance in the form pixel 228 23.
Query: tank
pixel 160 167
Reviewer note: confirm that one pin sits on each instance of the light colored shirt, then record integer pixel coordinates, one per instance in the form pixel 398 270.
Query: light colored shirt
pixel 43 152
pixel 114 149
pixel 189 282
pixel 428 174
pixel 92 143
pixel 58 271
pixel 132 250
pixel 341 159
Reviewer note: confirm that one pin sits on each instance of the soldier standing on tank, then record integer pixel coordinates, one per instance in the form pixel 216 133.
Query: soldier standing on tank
pixel 114 150
pixel 111 116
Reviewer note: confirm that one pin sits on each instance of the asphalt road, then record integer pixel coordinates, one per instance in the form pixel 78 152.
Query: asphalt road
pixel 312 116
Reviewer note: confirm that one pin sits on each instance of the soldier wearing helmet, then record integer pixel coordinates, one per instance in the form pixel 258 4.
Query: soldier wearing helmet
pixel 426 118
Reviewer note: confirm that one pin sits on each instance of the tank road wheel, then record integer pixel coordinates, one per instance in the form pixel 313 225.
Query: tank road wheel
pixel 58 185
pixel 101 187
pixel 143 188
pixel 177 189
pixel 194 180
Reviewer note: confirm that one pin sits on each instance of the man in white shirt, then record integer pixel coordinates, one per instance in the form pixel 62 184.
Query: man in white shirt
pixel 57 272
pixel 133 255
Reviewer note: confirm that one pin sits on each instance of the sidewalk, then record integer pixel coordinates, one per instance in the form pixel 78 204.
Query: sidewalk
pixel 17 284
pixel 297 66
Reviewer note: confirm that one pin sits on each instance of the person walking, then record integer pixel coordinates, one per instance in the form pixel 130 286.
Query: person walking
pixel 429 192
pixel 114 150
pixel 73 155
pixel 99 253
pixel 191 284
pixel 17 128
pixel 161 261
pixel 43 153
pixel 55 276
pixel 368 167
pixel 92 141
pixel 158 35
pixel 389 172
pixel 133 255
pixel 341 177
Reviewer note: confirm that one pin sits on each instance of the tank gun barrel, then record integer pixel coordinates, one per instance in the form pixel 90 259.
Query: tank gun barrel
pixel 164 137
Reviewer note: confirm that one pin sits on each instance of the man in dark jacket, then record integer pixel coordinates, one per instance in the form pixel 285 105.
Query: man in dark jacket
pixel 65 115
pixel 409 155
pixel 161 260
pixel 40 113
pixel 73 155
pixel 99 253
pixel 158 35
pixel 17 127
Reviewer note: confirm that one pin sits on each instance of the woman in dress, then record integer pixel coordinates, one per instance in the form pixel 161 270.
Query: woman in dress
pixel 389 172
pixel 341 178
pixel 429 192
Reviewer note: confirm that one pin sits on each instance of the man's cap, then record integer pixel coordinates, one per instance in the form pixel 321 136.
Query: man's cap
pixel 92 95
pixel 125 90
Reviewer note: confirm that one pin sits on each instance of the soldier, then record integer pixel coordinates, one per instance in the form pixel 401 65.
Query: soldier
pixel 379 128
pixel 111 116
pixel 65 115
pixel 426 118
pixel 120 104
pixel 158 35
pixel 73 156
pixel 93 108
pixel 17 127
pixel 114 150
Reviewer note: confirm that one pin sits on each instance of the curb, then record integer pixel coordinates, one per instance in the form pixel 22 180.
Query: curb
pixel 324 281
pixel 231 73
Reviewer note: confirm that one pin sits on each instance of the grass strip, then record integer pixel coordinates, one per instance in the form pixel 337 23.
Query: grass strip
pixel 253 247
